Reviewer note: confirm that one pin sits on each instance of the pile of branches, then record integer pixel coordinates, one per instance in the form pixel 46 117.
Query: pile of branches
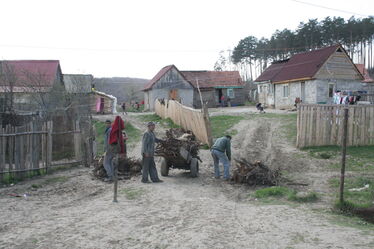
pixel 175 139
pixel 127 167
pixel 255 173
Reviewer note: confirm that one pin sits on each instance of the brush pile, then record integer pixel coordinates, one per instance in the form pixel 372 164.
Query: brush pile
pixel 255 173
pixel 127 167
pixel 177 138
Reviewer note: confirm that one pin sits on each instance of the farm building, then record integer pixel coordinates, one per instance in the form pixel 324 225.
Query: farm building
pixel 170 83
pixel 311 76
pixel 102 103
pixel 24 83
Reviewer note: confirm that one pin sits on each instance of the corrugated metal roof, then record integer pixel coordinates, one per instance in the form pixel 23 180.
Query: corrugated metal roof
pixel 29 73
pixel 206 79
pixel 299 66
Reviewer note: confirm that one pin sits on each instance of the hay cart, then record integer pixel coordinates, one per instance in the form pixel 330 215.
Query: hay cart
pixel 183 160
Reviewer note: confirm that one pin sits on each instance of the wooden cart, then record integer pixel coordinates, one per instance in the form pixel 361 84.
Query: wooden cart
pixel 183 161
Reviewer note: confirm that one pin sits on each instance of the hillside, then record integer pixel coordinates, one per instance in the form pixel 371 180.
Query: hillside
pixel 124 88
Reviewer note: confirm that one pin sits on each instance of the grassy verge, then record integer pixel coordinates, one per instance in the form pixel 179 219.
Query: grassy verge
pixel 167 123
pixel 359 158
pixel 220 125
pixel 132 132
pixel 132 193
pixel 289 194
pixel 355 199
pixel 15 178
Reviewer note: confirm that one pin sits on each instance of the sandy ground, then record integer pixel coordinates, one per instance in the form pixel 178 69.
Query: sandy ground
pixel 70 209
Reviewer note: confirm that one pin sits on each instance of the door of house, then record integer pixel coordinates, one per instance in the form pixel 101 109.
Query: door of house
pixel 302 94
pixel 173 94
pixel 219 95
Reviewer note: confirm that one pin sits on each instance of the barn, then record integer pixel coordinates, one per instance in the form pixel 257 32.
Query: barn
pixel 184 86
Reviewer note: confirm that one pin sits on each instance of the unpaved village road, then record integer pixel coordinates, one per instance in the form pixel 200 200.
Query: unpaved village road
pixel 70 209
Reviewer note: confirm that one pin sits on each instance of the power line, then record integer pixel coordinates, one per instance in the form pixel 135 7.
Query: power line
pixel 329 8
pixel 113 49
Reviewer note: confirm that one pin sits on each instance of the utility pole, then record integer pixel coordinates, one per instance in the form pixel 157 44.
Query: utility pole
pixel 344 152
pixel 204 110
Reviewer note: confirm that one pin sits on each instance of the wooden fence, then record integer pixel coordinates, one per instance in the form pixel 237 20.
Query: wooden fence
pixel 319 125
pixel 190 119
pixel 29 148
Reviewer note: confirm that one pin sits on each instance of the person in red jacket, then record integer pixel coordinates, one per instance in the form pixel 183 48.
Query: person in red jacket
pixel 116 146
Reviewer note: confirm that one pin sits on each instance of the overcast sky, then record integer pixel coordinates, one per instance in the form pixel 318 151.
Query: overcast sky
pixel 137 38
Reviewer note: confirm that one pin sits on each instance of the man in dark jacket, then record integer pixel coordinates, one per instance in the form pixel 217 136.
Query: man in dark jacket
pixel 148 151
pixel 222 145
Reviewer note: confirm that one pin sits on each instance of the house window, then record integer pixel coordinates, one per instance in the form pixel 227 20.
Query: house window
pixel 331 90
pixel 230 93
pixel 286 91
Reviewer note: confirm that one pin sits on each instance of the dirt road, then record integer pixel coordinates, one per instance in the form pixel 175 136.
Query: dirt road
pixel 70 209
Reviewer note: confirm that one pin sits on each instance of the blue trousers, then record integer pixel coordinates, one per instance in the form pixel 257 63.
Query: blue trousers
pixel 219 156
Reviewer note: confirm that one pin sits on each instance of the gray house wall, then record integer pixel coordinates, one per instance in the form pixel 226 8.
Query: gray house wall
pixel 210 96
pixel 316 91
pixel 172 80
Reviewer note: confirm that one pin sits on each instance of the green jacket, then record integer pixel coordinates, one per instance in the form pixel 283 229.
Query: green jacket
pixel 223 144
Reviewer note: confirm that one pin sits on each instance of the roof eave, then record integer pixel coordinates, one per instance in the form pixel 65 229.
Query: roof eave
pixel 293 80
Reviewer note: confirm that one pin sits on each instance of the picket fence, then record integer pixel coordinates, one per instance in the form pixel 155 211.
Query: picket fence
pixel 29 148
pixel 319 125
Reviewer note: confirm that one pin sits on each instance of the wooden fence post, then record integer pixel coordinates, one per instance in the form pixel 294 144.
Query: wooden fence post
pixel 77 141
pixel 207 125
pixel 344 152
pixel 49 144
pixel 2 152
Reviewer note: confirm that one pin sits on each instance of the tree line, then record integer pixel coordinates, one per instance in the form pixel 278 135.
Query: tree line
pixel 252 55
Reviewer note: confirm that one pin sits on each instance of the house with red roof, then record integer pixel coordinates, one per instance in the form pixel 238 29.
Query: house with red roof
pixel 313 77
pixel 184 86
pixel 28 80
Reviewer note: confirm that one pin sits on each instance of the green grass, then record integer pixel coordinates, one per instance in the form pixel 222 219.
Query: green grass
pixel 167 123
pixel 132 193
pixel 150 117
pixel 362 198
pixel 56 179
pixel 290 194
pixel 220 125
pixel 133 133
pixel 100 130
pixel 359 158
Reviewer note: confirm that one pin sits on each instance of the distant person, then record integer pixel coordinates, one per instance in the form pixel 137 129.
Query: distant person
pixel 228 101
pixel 124 108
pixel 137 105
pixel 220 147
pixel 260 107
pixel 222 101
pixel 148 151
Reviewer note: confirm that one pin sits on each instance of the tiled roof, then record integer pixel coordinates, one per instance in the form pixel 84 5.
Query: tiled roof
pixel 209 79
pixel 30 73
pixel 299 66
pixel 364 72
pixel 206 79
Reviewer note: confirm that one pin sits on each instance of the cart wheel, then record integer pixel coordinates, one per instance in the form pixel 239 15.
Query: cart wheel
pixel 194 167
pixel 164 167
